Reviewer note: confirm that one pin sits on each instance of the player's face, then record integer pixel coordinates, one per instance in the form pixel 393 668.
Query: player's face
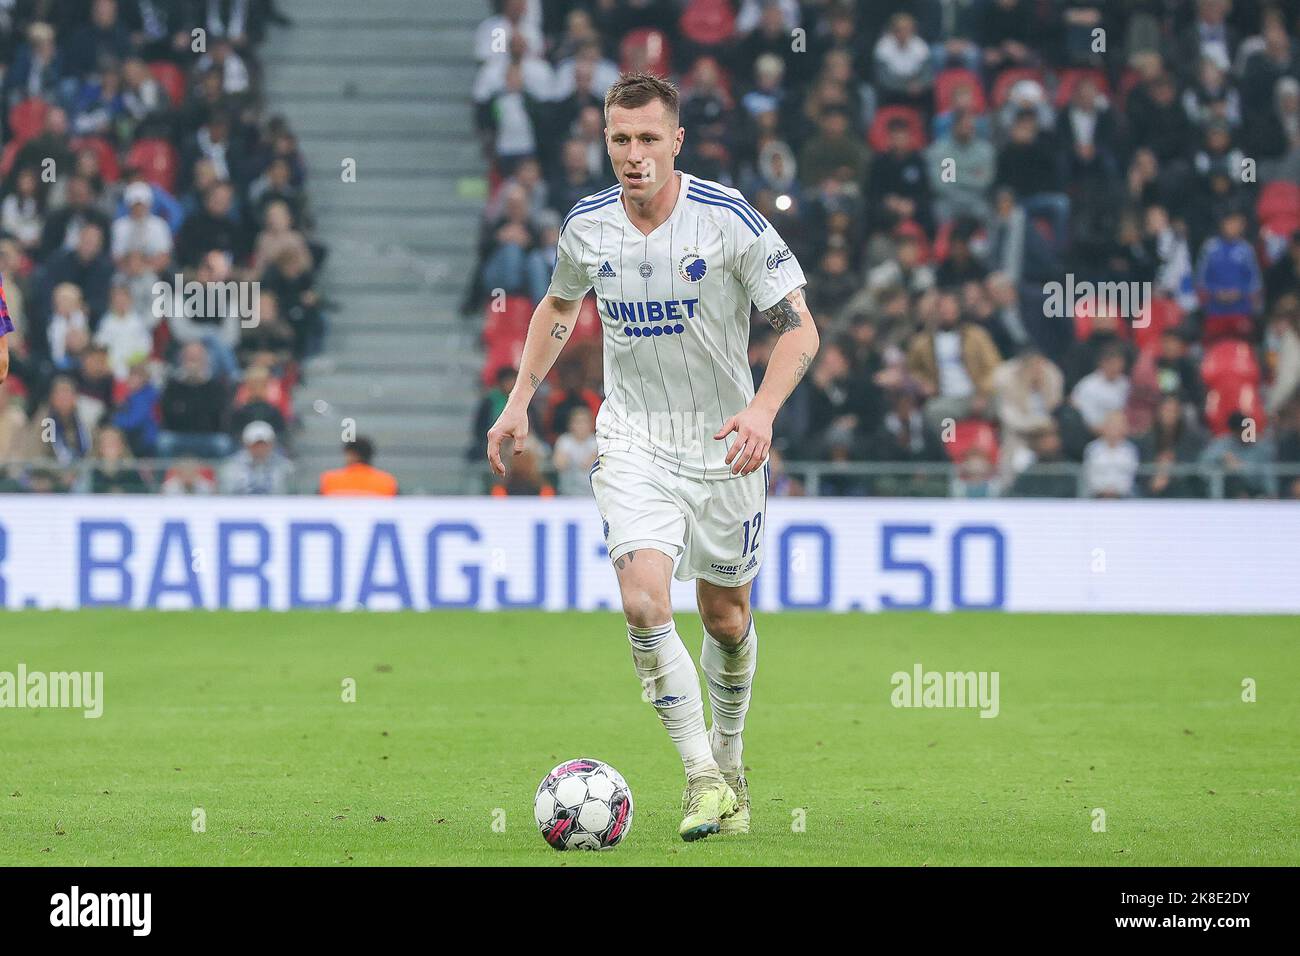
pixel 642 144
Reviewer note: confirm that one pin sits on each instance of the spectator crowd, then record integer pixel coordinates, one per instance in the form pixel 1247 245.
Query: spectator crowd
pixel 943 169
pixel 135 149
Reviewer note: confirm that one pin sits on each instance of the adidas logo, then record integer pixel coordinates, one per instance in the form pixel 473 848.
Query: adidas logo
pixel 606 271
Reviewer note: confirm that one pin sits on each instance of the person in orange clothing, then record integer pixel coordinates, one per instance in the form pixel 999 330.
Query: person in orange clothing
pixel 358 476
pixel 526 476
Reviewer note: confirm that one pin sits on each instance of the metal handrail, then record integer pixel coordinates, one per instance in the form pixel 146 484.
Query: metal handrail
pixel 77 476
pixel 1215 478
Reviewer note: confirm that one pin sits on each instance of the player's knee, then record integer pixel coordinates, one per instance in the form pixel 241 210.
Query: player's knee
pixel 645 607
pixel 726 623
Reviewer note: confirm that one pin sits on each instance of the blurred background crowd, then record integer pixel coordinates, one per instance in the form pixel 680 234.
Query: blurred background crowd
pixel 135 149
pixel 942 168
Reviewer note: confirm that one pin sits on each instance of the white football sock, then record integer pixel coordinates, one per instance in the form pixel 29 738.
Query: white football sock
pixel 668 675
pixel 729 672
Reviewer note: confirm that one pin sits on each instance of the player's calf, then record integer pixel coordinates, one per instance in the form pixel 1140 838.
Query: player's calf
pixel 729 658
pixel 666 671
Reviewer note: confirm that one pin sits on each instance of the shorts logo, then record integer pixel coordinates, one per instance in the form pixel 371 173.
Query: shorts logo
pixel 736 568
pixel 606 271
pixel 778 257
pixel 692 267
pixel 646 270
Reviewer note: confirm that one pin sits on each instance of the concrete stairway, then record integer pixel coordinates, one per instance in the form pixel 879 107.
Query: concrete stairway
pixel 386 84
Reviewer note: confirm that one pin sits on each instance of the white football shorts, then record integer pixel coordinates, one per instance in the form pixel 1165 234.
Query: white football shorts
pixel 715 527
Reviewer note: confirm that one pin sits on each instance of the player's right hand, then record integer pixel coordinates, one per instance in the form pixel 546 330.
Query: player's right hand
pixel 512 424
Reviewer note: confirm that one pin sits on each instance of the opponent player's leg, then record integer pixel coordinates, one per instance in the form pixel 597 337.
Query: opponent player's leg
pixel 729 658
pixel 671 683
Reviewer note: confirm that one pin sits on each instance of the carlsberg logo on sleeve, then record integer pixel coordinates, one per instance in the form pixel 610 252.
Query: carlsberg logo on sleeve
pixel 103 909
pixel 778 257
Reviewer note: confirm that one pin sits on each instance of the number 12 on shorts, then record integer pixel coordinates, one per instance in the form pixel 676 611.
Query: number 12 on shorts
pixel 756 522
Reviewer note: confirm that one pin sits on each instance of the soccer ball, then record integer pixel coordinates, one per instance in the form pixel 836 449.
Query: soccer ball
pixel 583 804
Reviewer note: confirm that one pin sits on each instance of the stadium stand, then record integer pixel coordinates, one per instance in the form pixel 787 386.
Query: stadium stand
pixel 141 147
pixel 385 88
pixel 1169 162
pixel 1165 160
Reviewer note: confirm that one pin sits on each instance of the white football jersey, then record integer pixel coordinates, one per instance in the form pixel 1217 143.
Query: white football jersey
pixel 674 307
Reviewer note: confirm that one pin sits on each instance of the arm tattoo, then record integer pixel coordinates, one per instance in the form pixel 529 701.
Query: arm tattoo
pixel 535 381
pixel 783 315
pixel 804 361
pixel 558 331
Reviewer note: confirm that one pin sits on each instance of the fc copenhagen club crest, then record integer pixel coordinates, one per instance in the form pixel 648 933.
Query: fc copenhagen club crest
pixel 646 270
pixel 692 267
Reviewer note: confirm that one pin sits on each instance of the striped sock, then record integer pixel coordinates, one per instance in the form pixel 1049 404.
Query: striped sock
pixel 670 683
pixel 729 672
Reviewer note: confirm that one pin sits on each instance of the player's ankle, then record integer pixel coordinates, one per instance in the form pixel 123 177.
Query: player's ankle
pixel 711 772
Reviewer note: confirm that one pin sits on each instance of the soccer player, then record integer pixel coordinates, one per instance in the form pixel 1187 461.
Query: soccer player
pixel 6 326
pixel 682 437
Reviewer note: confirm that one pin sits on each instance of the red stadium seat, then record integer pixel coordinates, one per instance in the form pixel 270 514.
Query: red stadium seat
pixel 504 332
pixel 1129 80
pixel 8 155
pixel 708 22
pixel 588 324
pixel 1068 80
pixel 1222 403
pixel 494 181
pixel 1165 314
pixel 724 78
pixel 646 49
pixel 27 118
pixel 1278 208
pixel 1236 327
pixel 969 434
pixel 162 337
pixel 949 81
pixel 912 228
pixel 1009 78
pixel 878 135
pixel 1228 364
pixel 171 79
pixel 157 161
pixel 104 152
pixel 277 394
pixel 943 236
pixel 1083 312
pixel 1231 374
pixel 15 386
pixel 206 472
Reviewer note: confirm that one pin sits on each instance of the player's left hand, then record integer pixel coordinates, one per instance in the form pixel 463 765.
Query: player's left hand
pixel 753 428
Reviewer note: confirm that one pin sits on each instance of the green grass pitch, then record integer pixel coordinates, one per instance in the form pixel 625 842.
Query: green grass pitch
pixel 458 715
